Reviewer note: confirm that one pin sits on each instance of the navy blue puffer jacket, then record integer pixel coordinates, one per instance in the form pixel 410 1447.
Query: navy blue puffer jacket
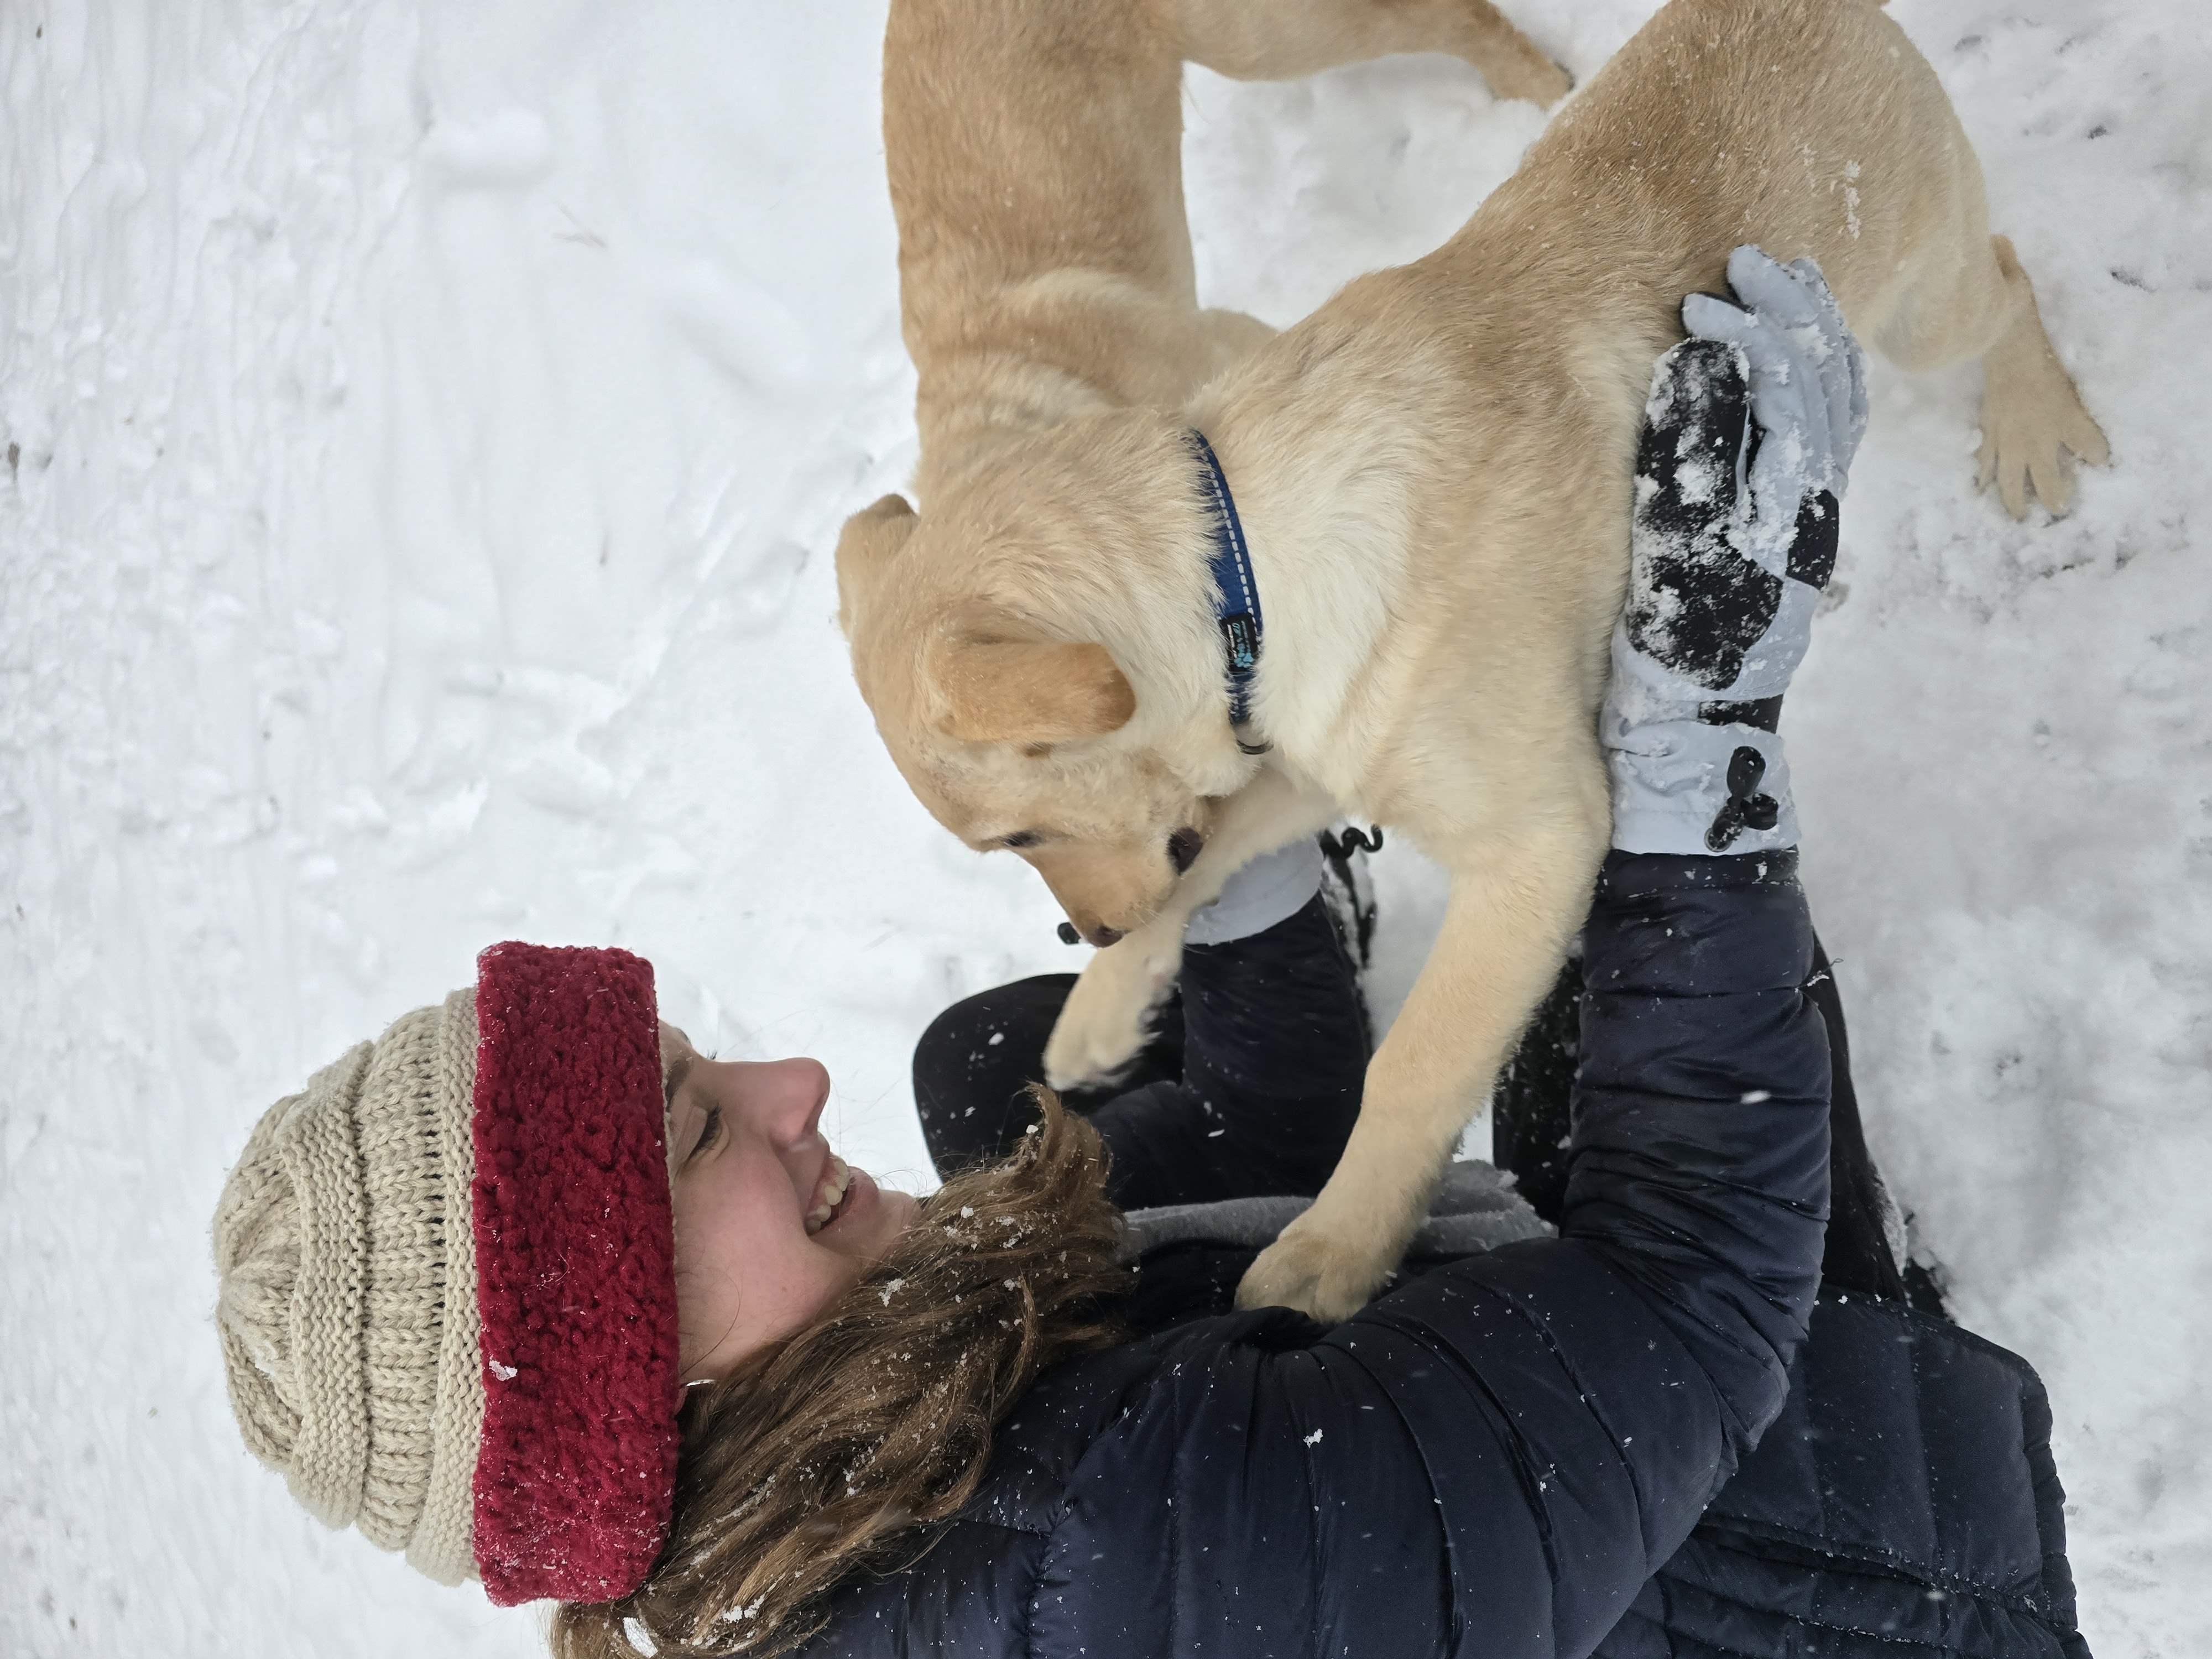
pixel 1497 1457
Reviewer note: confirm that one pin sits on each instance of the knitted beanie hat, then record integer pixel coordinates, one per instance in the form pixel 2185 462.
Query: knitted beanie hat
pixel 448 1293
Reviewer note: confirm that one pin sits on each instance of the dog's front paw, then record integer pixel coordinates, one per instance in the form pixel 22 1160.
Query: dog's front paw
pixel 1322 1272
pixel 1102 1026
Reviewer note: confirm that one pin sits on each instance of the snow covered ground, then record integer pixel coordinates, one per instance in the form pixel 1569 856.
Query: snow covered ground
pixel 426 427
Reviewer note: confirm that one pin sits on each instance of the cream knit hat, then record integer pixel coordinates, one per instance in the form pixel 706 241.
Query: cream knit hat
pixel 358 1299
pixel 347 1309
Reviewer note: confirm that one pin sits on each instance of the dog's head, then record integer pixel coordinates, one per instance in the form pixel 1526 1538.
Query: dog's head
pixel 986 665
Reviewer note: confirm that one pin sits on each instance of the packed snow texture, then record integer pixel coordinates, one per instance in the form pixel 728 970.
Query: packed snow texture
pixel 426 429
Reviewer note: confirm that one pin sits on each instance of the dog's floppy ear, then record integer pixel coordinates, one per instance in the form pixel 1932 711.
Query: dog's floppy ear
pixel 997 689
pixel 868 543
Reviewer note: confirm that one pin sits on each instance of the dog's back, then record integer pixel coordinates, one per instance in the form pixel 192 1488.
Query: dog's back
pixel 1810 127
pixel 1495 385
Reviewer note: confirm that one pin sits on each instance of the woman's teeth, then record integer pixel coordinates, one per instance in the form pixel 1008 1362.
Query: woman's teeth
pixel 834 1184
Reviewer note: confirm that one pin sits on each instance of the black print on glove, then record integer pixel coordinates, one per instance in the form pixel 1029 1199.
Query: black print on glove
pixel 1747 809
pixel 1813 553
pixel 1765 714
pixel 1697 604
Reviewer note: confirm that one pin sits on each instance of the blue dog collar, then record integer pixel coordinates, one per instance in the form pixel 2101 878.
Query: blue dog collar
pixel 1236 606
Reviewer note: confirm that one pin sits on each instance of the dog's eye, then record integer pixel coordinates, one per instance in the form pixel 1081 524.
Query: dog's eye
pixel 1021 838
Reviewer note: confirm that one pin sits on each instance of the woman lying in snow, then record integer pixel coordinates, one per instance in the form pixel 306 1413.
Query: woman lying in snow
pixel 532 1290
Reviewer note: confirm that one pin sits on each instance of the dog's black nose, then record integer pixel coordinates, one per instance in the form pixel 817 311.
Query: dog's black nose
pixel 1183 848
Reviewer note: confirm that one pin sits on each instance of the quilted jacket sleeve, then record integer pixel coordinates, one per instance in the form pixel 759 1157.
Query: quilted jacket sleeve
pixel 1494 1458
pixel 1274 1054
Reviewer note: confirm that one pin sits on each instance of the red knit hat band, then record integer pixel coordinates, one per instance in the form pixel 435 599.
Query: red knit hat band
pixel 576 1276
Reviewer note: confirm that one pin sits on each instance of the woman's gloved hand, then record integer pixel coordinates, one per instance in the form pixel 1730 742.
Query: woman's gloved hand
pixel 1748 435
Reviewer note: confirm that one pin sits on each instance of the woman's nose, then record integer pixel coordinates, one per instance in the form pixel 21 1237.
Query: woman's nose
pixel 780 1099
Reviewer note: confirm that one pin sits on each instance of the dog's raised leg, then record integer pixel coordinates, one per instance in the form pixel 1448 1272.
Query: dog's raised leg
pixel 1102 1026
pixel 1288 39
pixel 1230 336
pixel 1513 901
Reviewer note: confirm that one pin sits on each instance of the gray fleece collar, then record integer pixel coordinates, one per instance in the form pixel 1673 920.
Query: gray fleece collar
pixel 1475 1208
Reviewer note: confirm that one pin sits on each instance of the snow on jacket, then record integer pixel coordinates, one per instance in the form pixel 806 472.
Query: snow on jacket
pixel 1494 1457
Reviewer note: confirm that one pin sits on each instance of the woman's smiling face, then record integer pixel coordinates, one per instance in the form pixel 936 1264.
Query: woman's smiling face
pixel 770 1225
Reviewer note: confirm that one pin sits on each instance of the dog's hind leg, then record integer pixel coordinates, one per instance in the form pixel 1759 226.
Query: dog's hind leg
pixel 1979 301
pixel 1284 39
pixel 2030 407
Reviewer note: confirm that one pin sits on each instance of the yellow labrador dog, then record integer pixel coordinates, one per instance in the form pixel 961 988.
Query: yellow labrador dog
pixel 1433 477
pixel 1035 153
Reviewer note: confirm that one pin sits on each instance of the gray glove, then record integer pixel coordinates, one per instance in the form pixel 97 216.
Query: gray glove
pixel 1749 432
pixel 1271 887
pixel 1808 388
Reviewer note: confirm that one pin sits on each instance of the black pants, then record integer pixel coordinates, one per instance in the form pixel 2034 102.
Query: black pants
pixel 1251 1082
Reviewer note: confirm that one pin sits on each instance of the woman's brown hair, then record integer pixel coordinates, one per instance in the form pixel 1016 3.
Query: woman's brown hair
pixel 844 1449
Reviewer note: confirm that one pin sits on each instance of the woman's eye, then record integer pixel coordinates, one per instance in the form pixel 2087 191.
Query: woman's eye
pixel 709 1132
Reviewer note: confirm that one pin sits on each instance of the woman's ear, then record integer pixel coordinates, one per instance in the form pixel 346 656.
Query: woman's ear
pixel 1027 691
pixel 866 546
